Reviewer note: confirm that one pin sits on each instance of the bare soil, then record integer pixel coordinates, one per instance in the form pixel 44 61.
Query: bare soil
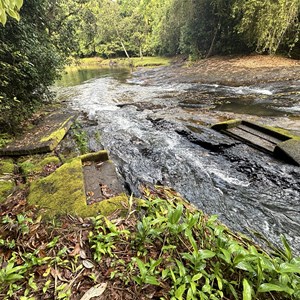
pixel 238 70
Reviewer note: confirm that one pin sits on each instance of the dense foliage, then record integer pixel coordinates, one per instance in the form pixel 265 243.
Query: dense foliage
pixel 162 249
pixel 29 62
pixel 33 49
pixel 198 28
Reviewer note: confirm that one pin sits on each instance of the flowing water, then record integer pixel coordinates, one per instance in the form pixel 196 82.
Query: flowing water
pixel 156 131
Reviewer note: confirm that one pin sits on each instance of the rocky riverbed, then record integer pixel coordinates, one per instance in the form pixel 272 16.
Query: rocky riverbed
pixel 155 123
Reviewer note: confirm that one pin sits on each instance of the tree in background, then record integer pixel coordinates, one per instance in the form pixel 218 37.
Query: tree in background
pixel 33 50
pixel 269 24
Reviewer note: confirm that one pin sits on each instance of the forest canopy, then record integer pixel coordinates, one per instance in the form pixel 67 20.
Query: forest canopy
pixel 35 44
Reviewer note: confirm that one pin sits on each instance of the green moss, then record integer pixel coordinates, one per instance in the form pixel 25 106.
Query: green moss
pixel 285 132
pixel 27 167
pixel 63 192
pixel 5 139
pixel 7 166
pixel 106 207
pixel 6 188
pixel 60 192
pixel 57 135
pixel 95 156
pixel 36 165
pixel 226 125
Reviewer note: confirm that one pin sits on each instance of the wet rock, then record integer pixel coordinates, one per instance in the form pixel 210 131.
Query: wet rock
pixel 207 138
pixel 289 150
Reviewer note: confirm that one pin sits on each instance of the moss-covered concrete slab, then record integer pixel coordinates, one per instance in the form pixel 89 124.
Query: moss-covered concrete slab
pixel 289 151
pixel 39 165
pixel 43 138
pixel 64 190
pixel 7 182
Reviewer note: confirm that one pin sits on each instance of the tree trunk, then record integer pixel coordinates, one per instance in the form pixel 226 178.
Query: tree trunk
pixel 211 48
pixel 141 52
pixel 123 46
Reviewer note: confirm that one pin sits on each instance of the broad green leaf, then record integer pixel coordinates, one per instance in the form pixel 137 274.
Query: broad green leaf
pixel 154 263
pixel 141 267
pixel 233 291
pixel 182 271
pixel 289 268
pixel 14 277
pixel 151 280
pixel 220 283
pixel 176 214
pixel 173 275
pixel 179 292
pixel 13 14
pixel 164 273
pixel 19 3
pixel 193 287
pixel 269 287
pixel 246 290
pixel 204 254
pixel 3 17
pixel 226 255
pixel 287 248
pixel 197 277
pixel 190 295
pixel 243 265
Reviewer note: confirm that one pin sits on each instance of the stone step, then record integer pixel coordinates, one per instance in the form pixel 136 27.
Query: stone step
pixel 280 143
pixel 43 138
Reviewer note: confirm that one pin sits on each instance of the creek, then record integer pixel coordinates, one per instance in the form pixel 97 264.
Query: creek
pixel 156 128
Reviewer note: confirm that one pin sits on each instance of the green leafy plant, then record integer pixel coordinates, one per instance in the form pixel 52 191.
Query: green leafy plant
pixel 104 237
pixel 80 137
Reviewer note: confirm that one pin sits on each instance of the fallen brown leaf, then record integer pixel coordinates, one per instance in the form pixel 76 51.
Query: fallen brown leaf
pixel 95 291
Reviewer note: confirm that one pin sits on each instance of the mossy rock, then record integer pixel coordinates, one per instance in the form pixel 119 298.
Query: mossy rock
pixel 42 138
pixel 284 132
pixel 226 125
pixel 6 187
pixel 6 166
pixel 56 136
pixel 36 164
pixel 62 192
pixel 95 156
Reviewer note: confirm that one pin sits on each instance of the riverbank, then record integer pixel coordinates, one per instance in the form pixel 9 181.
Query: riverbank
pixel 236 70
pixel 230 70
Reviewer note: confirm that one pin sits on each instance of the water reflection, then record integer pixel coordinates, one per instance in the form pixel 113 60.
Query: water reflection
pixel 76 75
pixel 249 107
